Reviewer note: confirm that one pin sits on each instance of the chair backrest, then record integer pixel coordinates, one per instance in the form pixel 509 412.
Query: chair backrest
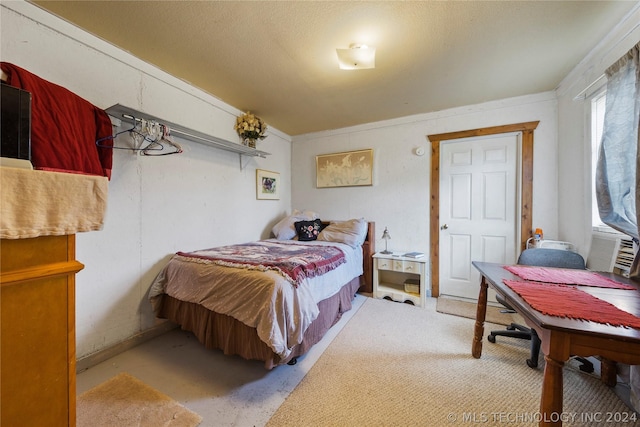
pixel 546 257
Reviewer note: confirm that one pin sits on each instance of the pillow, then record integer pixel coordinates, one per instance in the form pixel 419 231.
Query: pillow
pixel 285 229
pixel 308 230
pixel 352 232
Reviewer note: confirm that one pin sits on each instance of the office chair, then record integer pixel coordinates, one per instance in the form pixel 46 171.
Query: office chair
pixel 542 257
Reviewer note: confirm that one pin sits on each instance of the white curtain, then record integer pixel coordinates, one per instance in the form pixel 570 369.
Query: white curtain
pixel 617 188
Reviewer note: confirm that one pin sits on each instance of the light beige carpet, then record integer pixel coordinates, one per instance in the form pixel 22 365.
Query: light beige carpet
pixel 125 401
pixel 399 365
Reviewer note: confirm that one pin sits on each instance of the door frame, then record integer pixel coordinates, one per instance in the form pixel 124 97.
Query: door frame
pixel 526 182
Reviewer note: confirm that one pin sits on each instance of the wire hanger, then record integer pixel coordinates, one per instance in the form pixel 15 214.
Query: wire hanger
pixel 165 138
pixel 157 135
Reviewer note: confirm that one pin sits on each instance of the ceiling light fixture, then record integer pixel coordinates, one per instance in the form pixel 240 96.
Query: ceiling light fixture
pixel 357 57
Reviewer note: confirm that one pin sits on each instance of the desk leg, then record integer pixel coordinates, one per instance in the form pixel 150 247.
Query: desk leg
pixel 608 372
pixel 481 313
pixel 551 400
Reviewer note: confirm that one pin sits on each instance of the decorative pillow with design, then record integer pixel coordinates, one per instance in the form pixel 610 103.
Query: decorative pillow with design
pixel 285 229
pixel 308 230
pixel 352 232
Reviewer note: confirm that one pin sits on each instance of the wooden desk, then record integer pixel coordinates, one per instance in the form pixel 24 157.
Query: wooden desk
pixel 562 337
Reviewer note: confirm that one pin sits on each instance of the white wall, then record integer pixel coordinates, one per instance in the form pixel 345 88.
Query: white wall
pixel 202 198
pixel 399 198
pixel 157 205
pixel 574 157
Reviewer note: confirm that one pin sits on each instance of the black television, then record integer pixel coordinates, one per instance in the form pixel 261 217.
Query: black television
pixel 15 122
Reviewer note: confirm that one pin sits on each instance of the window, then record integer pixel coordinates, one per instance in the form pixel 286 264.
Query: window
pixel 598 103
pixel 617 184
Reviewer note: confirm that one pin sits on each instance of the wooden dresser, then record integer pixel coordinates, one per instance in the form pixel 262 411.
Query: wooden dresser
pixel 37 303
pixel 40 214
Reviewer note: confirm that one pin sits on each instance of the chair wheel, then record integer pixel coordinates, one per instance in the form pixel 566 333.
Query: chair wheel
pixel 511 328
pixel 586 368
pixel 491 338
pixel 532 364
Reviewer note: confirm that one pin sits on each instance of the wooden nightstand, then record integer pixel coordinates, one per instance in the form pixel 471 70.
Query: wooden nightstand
pixel 397 277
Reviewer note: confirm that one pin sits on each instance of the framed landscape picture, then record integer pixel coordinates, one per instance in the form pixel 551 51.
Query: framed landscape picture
pixel 267 185
pixel 348 169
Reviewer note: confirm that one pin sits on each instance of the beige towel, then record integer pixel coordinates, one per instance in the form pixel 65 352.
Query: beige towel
pixel 40 203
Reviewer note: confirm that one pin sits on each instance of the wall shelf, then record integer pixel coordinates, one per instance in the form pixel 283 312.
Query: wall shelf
pixel 130 115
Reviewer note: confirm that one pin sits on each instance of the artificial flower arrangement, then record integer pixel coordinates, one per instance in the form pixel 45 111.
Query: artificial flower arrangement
pixel 250 127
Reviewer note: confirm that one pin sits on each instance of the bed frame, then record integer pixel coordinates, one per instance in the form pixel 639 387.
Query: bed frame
pixel 219 331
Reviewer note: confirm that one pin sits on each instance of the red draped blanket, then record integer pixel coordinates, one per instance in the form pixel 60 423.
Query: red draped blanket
pixel 64 127
pixel 571 302
pixel 294 261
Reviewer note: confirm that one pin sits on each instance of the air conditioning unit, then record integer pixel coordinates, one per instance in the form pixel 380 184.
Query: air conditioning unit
pixel 613 252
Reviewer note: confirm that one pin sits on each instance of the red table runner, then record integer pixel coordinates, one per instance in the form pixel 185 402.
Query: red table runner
pixel 565 276
pixel 571 302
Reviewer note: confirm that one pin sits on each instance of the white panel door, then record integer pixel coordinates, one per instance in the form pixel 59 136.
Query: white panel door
pixel 478 208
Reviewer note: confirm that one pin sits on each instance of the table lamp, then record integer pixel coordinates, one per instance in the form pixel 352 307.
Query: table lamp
pixel 386 237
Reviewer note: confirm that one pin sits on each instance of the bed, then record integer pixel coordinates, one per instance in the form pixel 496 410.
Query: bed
pixel 261 309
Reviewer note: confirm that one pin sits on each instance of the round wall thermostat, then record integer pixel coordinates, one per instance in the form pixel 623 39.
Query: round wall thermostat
pixel 419 151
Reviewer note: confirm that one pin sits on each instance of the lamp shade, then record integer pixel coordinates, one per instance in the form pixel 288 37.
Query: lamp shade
pixel 385 234
pixel 357 57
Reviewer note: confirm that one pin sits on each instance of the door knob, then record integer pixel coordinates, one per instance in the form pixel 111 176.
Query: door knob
pixel 444 227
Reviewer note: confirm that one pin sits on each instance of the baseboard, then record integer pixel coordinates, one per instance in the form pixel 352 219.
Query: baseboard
pixel 93 359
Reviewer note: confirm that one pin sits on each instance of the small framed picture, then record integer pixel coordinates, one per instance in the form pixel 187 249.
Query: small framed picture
pixel 267 185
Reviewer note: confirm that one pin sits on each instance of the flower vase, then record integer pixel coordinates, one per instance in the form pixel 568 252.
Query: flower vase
pixel 249 142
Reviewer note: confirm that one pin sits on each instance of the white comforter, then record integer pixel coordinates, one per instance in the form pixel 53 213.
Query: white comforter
pixel 264 300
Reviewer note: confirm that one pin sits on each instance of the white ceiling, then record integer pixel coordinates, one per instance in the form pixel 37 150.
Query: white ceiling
pixel 278 58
